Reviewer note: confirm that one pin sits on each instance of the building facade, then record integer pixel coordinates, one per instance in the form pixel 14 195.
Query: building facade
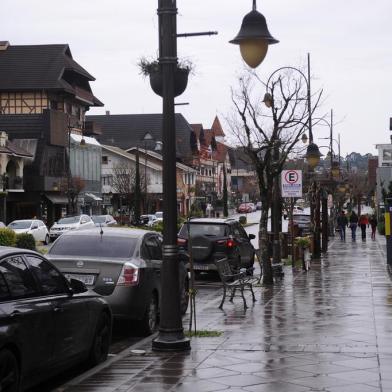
pixel 41 109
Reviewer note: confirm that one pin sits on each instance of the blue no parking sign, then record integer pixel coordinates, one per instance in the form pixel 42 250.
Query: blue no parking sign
pixel 291 181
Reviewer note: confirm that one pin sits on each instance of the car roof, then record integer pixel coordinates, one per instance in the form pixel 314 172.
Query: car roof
pixel 117 231
pixel 212 220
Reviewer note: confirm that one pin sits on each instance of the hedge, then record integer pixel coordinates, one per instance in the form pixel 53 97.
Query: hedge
pixel 7 237
pixel 25 241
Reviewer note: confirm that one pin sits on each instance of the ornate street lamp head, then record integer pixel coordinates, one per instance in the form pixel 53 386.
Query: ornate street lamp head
pixel 268 100
pixel 313 155
pixel 335 169
pixel 254 38
pixel 304 138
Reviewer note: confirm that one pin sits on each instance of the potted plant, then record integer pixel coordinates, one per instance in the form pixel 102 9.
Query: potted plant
pixel 152 69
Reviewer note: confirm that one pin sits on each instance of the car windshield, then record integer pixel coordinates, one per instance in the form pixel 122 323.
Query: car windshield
pixel 99 218
pixel 20 224
pixel 159 214
pixel 67 221
pixel 107 246
pixel 214 230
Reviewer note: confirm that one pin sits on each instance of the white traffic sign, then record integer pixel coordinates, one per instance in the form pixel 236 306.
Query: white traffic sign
pixel 291 183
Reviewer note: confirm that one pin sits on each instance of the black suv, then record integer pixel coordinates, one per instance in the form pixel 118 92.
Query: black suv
pixel 213 239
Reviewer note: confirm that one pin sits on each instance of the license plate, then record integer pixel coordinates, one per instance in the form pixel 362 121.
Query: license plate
pixel 88 280
pixel 202 267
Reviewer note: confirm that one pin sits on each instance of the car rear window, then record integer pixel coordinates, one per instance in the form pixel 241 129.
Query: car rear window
pixel 67 221
pixel 301 218
pixel 208 229
pixel 94 246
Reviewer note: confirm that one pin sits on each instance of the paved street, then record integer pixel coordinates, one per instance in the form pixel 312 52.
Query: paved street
pixel 326 330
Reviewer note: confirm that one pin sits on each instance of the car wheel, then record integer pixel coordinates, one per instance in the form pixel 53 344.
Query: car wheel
pixel 149 323
pixel 101 342
pixel 185 296
pixel 9 372
pixel 47 239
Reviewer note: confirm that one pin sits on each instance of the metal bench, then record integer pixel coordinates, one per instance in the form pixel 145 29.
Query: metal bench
pixel 233 281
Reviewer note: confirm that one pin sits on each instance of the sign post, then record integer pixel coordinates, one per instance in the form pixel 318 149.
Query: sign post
pixel 291 183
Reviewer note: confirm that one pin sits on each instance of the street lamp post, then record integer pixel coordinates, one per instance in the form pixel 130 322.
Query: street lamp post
pixel 313 158
pixel 171 334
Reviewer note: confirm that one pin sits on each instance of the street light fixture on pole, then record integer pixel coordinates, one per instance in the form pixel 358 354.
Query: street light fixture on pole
pixel 254 38
pixel 171 335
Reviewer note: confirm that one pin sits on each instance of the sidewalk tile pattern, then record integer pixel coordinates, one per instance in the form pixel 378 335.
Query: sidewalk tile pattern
pixel 329 329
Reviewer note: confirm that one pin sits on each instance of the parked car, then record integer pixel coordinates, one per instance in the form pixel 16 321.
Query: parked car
pixel 70 223
pixel 258 205
pixel 253 206
pixel 213 239
pixel 148 220
pixel 47 323
pixel 245 208
pixel 103 220
pixel 159 216
pixel 35 227
pixel 303 223
pixel 123 265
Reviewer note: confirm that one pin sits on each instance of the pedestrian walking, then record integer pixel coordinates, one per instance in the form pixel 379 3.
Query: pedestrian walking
pixel 353 224
pixel 373 224
pixel 342 223
pixel 363 223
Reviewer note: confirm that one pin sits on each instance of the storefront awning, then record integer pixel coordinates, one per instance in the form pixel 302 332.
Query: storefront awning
pixel 57 199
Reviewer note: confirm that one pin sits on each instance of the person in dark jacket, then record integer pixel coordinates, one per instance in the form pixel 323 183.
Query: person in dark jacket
pixel 342 223
pixel 373 224
pixel 353 225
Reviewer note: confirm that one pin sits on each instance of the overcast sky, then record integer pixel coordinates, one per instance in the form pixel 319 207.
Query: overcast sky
pixel 349 42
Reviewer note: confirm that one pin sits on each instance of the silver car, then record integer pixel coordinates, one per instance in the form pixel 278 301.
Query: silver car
pixel 35 227
pixel 123 265
pixel 103 220
pixel 77 222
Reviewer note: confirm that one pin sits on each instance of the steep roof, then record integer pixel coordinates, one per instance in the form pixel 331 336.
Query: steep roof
pixel 128 130
pixel 39 67
pixel 216 127
pixel 239 159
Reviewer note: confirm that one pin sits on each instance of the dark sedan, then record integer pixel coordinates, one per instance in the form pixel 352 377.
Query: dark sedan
pixel 122 264
pixel 47 323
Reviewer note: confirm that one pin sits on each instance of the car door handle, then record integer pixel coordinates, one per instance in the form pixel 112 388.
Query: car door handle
pixel 58 309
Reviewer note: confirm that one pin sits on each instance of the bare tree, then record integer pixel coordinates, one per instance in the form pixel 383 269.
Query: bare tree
pixel 269 134
pixel 72 187
pixel 359 187
pixel 124 182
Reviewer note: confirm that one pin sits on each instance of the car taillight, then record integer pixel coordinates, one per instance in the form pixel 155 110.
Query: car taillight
pixel 230 243
pixel 129 275
pixel 181 241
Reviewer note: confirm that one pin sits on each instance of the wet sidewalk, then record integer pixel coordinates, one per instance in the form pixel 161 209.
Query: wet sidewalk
pixel 329 329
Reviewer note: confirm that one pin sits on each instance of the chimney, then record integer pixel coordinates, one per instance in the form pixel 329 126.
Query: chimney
pixel 107 112
pixel 4 45
pixel 3 138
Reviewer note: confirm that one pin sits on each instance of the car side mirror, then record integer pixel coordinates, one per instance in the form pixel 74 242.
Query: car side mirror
pixel 251 236
pixel 77 286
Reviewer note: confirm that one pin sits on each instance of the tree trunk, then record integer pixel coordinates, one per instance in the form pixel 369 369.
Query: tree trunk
pixel 263 244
